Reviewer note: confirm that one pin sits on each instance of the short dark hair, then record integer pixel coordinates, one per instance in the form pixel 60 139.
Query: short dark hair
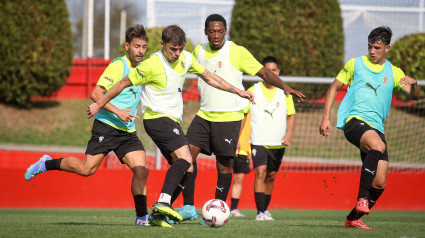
pixel 135 31
pixel 215 17
pixel 174 34
pixel 270 59
pixel 382 33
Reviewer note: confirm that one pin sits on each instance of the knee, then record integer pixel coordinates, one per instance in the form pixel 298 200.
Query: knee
pixel 270 178
pixel 379 146
pixel 86 172
pixel 237 180
pixel 141 172
pixel 260 173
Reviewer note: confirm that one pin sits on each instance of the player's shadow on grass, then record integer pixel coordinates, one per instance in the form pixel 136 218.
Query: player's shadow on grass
pixel 87 224
pixel 316 225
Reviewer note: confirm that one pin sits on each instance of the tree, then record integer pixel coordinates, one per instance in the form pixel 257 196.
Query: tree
pixel 116 7
pixel 305 36
pixel 37 50
pixel 154 42
pixel 408 52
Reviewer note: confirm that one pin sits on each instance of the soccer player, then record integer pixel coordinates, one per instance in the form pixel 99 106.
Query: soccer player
pixel 162 77
pixel 272 126
pixel 113 127
pixel 215 128
pixel 361 115
pixel 240 166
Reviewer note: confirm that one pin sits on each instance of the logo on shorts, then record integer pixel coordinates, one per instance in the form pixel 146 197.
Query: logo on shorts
pixel 368 170
pixel 176 131
pixel 101 139
pixel 361 123
pixel 227 140
pixel 254 152
pixel 221 189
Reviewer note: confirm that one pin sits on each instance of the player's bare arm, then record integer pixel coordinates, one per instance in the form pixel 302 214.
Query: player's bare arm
pixel 274 80
pixel 325 126
pixel 112 93
pixel 290 123
pixel 122 114
pixel 219 83
pixel 410 86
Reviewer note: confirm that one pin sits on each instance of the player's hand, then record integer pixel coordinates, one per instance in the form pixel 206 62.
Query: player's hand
pixel 246 94
pixel 249 156
pixel 286 140
pixel 93 109
pixel 407 80
pixel 325 128
pixel 126 116
pixel 297 94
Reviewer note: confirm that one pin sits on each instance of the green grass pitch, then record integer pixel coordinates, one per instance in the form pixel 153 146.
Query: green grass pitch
pixel 289 223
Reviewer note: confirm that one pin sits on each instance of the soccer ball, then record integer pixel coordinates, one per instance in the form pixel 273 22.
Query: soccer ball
pixel 215 213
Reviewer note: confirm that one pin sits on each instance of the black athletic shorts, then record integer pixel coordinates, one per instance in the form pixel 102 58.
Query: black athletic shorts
pixel 166 134
pixel 240 164
pixel 354 130
pixel 220 138
pixel 105 138
pixel 270 157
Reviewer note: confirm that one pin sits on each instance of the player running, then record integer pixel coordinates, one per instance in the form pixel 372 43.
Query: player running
pixel 113 127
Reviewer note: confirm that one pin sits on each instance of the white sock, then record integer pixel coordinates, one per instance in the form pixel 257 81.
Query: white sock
pixel 165 198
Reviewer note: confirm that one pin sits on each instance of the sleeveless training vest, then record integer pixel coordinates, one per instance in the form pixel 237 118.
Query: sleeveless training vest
pixel 369 96
pixel 216 100
pixel 268 118
pixel 127 99
pixel 168 100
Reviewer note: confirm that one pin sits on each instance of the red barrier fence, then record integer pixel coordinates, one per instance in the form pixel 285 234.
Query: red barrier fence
pixel 110 187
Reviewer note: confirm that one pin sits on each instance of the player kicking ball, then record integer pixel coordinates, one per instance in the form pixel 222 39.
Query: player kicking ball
pixel 362 113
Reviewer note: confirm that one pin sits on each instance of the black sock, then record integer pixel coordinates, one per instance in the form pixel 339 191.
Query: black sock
pixel 223 186
pixel 259 201
pixel 374 194
pixel 140 205
pixel 267 198
pixel 353 215
pixel 54 164
pixel 370 164
pixel 189 189
pixel 234 204
pixel 174 176
pixel 179 188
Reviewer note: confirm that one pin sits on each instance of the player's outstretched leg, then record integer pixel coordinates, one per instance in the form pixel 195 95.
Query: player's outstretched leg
pixel 356 224
pixel 158 220
pixel 142 221
pixel 166 210
pixel 37 168
pixel 188 212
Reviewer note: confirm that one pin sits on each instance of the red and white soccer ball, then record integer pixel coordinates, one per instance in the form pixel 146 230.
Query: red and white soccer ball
pixel 216 213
